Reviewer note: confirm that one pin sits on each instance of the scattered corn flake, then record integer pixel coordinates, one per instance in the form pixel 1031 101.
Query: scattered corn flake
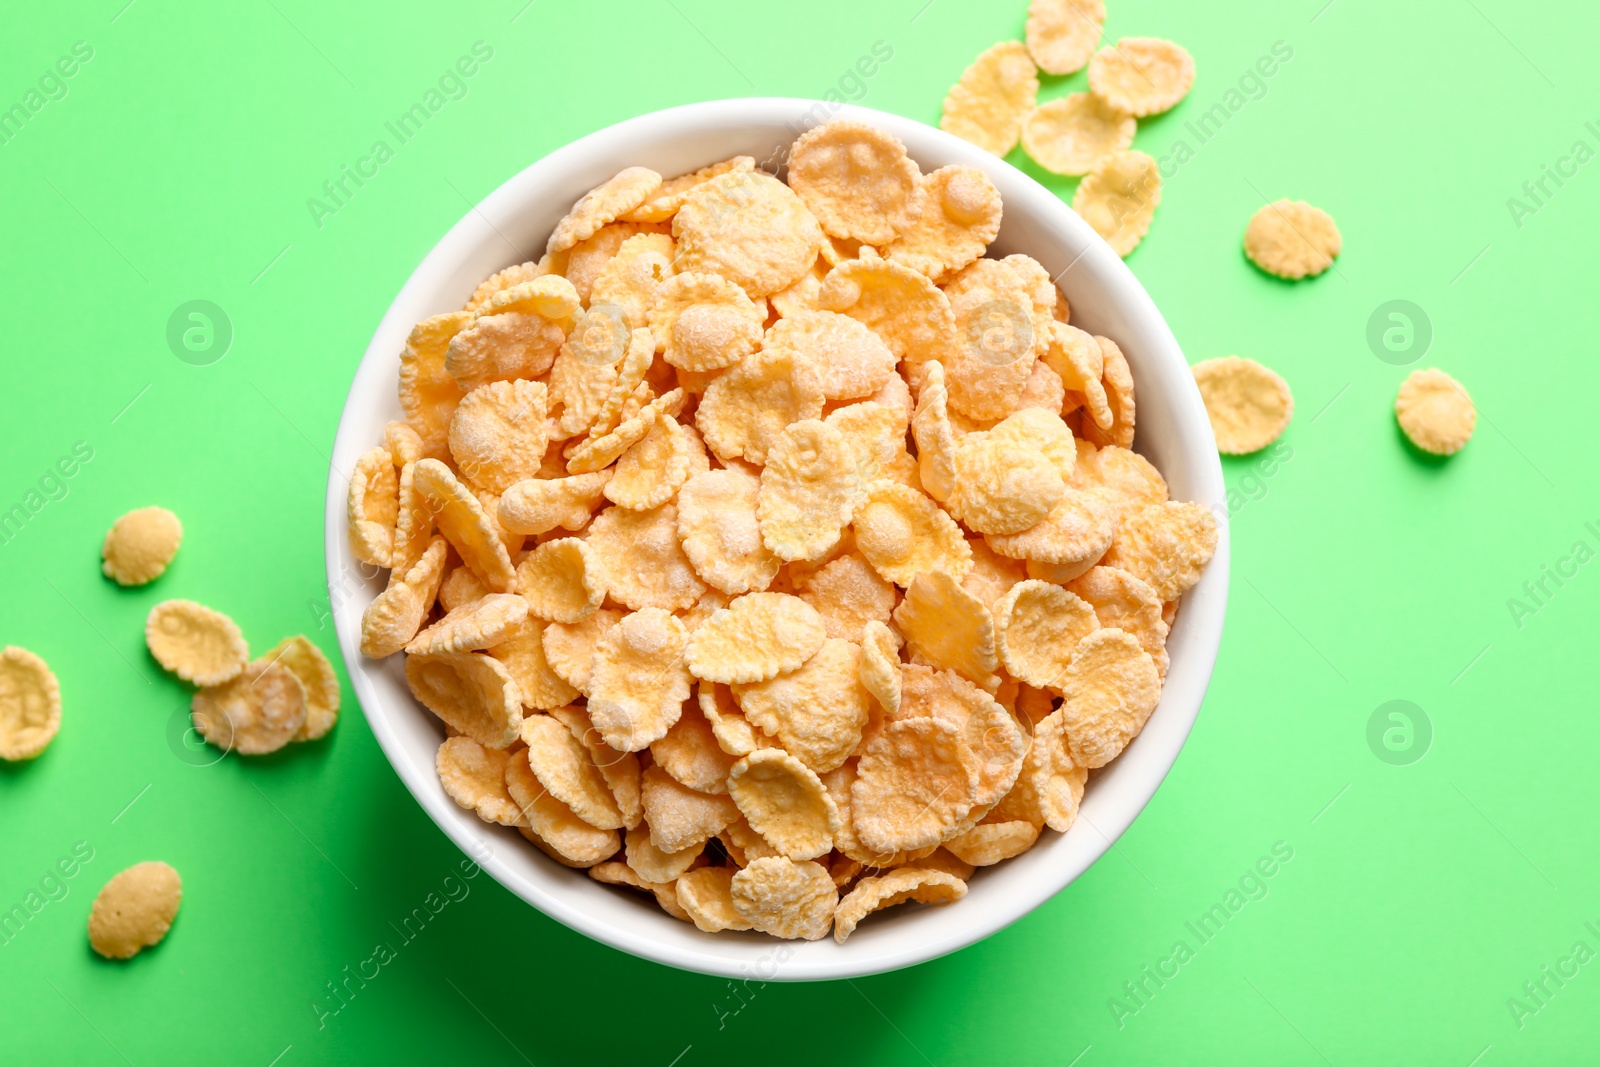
pixel 30 704
pixel 307 663
pixel 706 896
pixel 471 692
pixel 949 627
pixel 643 560
pixel 603 204
pixel 539 505
pixel 498 433
pixel 953 215
pixel 756 637
pixel 259 710
pixel 733 732
pixel 703 322
pixel 1143 76
pixel 988 104
pixel 134 910
pixel 1166 545
pixel 745 409
pixel 935 438
pixel 1435 412
pixel 569 647
pixel 848 593
pixel 649 473
pixel 1249 405
pixel 1038 626
pixel 462 520
pixel 785 802
pixel 564 766
pixel 856 179
pixel 1119 199
pixel 1061 34
pixel 562 580
pixel 690 753
pixel 428 394
pixel 1108 693
pixel 395 615
pixel 1072 134
pixel 669 196
pixel 141 544
pixel 786 899
pixel 721 533
pixel 637 680
pixel 850 360
pixel 902 534
pixel 551 825
pixel 680 817
pixel 475 778
pixel 899 304
pixel 809 490
pixel 194 642
pixel 915 784
pixel 478 624
pixel 748 227
pixel 1292 239
pixel 815 712
pixel 894 887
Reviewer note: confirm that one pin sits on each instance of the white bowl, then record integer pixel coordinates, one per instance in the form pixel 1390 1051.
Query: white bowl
pixel 510 226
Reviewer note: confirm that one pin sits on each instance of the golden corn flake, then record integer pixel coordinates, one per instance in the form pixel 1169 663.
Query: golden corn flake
pixel 481 623
pixel 875 437
pixel 603 204
pixel 259 710
pixel 521 652
pixel 550 296
pixel 462 520
pixel 1061 34
pixel 636 362
pixel 803 295
pixel 470 692
pixel 649 473
pixel 936 443
pixel 745 409
pixel 1109 691
pixel 1043 390
pixel 195 643
pixel 815 712
pixel 584 262
pixel 402 442
pixel 785 899
pixel 643 560
pixel 733 732
pixel 562 580
pixel 498 433
pixel 307 663
pixel 134 910
pixel 1249 405
pixel 428 394
pixel 915 784
pixel 1051 785
pixel 1119 199
pixel 1120 600
pixel 539 505
pixel 666 893
pixel 563 765
pixel 653 865
pixel 988 104
pixel 721 533
pixel 748 227
pixel 140 545
pixel 992 575
pixel 1001 487
pixel 894 887
pixel 702 322
pixel 1117 381
pixel 669 196
pixel 756 637
pixel 1435 412
pixel 582 376
pixel 505 279
pixel 601 451
pixel 30 704
pixel 413 525
pixel 706 895
pixel 943 861
pixel 1141 75
pixel 551 825
pixel 879 673
pixel 848 593
pixel 569 648
pixel 850 360
pixel 503 347
pixel 1292 239
pixel 990 842
pixel 1076 356
pixel 638 681
pixel 1042 432
pixel 785 802
pixel 1072 134
pixel 949 627
pixel 691 754
pixel 1166 545
pixel 809 490
pixel 1132 480
pixel 475 778
pixel 899 304
pixel 1075 534
pixel 631 280
pixel 373 506
pixel 856 179
pixel 1039 625
pixel 396 614
pixel 620 769
pixel 902 534
pixel 953 215
pixel 680 817
pixel 996 741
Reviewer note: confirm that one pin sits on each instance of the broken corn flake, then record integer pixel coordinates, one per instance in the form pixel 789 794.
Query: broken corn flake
pixel 1249 406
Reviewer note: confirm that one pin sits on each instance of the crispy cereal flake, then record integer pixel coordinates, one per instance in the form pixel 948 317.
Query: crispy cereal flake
pixel 953 215
pixel 475 778
pixel 1166 545
pixel 916 783
pixel 259 710
pixel 498 433
pixel 702 322
pixel 988 104
pixel 643 560
pixel 1110 689
pixel 1292 239
pixel 746 408
pixel 603 204
pixel 140 545
pixel 1142 76
pixel 856 179
pixel 638 681
pixel 30 704
pixel 902 534
pixel 1072 134
pixel 471 692
pixel 562 580
pixel 1435 412
pixel 134 910
pixel 307 663
pixel 748 227
pixel 949 627
pixel 785 802
pixel 809 490
pixel 1039 626
pixel 721 533
pixel 1249 405
pixel 815 712
pixel 894 887
pixel 1119 199
pixel 195 643
pixel 1061 34
pixel 786 899
pixel 756 637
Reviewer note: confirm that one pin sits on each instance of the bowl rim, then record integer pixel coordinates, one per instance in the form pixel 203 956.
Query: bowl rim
pixel 1201 619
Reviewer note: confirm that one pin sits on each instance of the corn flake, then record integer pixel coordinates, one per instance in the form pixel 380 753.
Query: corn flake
pixel 603 204
pixel 915 784
pixel 539 505
pixel 653 865
pixel 856 179
pixel 1109 691
pixel 195 643
pixel 1119 199
pixel 643 560
pixel 1435 412
pixel 1249 405
pixel 785 802
pixel 462 520
pixel 1292 239
pixel 551 825
pixel 475 778
pixel 1002 487
pixel 691 754
pixel 134 910
pixel 721 533
pixel 396 614
pixel 756 637
pixel 990 842
pixel 848 593
pixel 809 490
pixel 817 711
pixel 706 896
pixel 746 408
pixel 638 681
pixel 1039 626
pixel 259 710
pixel 899 304
pixel 562 580
pixel 498 433
pixel 733 732
pixel 1143 76
pixel 949 627
pixel 563 765
pixel 679 817
pixel 894 887
pixel 669 196
pixel 1051 785
pixel 702 322
pixel 1061 34
pixel 1072 134
pixel 569 648
pixel 748 227
pixel 953 215
pixel 649 473
pixel 30 704
pixel 311 668
pixel 879 673
pixel 1166 545
pixel 428 393
pixel 503 347
pixel 471 692
pixel 620 769
pixel 786 899
pixel 988 104
pixel 931 428
pixel 850 360
pixel 142 543
pixel 902 534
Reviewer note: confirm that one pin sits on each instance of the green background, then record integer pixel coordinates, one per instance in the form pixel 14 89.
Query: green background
pixel 1420 897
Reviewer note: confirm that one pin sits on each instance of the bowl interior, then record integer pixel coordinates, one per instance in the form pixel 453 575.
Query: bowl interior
pixel 510 226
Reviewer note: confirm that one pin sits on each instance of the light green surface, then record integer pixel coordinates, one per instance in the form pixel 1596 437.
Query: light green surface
pixel 1419 899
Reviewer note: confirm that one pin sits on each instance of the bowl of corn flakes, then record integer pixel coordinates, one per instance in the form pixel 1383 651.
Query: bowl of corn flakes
pixel 763 513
